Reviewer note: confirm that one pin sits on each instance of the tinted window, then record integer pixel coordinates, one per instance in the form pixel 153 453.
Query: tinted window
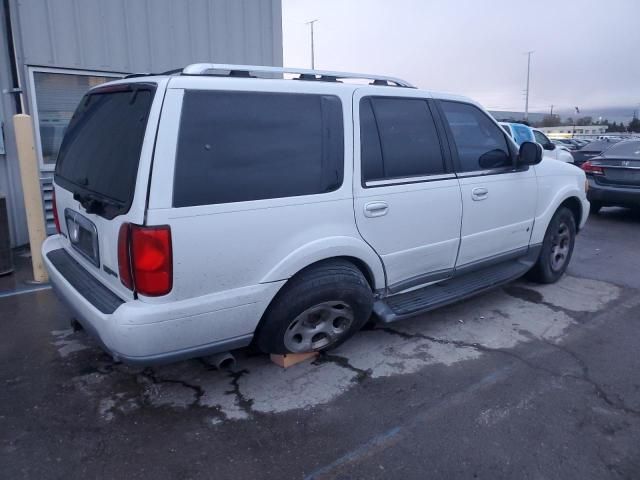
pixel 481 144
pixel 100 151
pixel 240 146
pixel 398 139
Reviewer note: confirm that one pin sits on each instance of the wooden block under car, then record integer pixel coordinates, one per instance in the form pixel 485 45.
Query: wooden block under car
pixel 289 359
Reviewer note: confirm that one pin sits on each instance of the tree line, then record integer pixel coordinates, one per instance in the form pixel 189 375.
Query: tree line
pixel 554 121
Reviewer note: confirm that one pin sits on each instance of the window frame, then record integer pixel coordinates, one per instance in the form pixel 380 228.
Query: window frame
pixel 33 102
pixel 440 134
pixel 511 145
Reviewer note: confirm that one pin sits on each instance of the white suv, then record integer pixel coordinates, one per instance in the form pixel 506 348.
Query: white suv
pixel 205 210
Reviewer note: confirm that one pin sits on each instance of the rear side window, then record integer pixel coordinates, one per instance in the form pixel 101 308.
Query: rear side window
pixel 481 144
pixel 101 148
pixel 241 146
pixel 398 139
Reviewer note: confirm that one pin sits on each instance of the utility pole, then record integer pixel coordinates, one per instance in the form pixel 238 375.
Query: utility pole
pixel 551 114
pixel 526 102
pixel 313 52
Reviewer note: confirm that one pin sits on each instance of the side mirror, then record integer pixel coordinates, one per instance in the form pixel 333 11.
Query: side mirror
pixel 530 153
pixel 549 146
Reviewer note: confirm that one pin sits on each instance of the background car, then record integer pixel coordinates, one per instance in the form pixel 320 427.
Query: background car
pixel 551 150
pixel 523 133
pixel 614 176
pixel 592 150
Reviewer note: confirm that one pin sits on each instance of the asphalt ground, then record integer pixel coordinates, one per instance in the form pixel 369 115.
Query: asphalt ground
pixel 526 381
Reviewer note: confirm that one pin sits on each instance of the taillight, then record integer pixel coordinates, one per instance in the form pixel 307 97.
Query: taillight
pixel 145 259
pixel 56 220
pixel 589 167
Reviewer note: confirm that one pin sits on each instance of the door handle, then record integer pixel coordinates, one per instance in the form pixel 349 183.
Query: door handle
pixel 376 209
pixel 479 193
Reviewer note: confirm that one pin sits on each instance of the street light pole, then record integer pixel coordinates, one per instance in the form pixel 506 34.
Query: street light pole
pixel 313 53
pixel 526 102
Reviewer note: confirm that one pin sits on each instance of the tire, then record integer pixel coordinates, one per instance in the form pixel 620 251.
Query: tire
pixel 557 248
pixel 595 208
pixel 318 309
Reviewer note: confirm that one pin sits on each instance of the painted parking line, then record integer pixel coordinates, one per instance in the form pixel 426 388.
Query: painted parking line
pixel 22 291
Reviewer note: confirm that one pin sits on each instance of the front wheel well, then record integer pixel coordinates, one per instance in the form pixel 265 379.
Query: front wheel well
pixel 575 206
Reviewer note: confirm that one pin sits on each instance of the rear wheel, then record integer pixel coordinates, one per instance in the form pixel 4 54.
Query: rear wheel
pixel 557 248
pixel 316 310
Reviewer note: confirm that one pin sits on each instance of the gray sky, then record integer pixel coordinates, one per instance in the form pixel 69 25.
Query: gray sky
pixel 587 53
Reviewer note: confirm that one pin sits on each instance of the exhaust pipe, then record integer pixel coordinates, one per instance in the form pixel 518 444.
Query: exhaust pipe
pixel 222 361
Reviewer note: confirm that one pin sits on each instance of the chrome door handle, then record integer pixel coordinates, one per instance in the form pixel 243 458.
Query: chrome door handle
pixel 479 193
pixel 376 209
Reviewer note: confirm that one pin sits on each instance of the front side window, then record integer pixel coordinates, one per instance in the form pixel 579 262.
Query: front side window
pixel 398 139
pixel 242 146
pixel 481 144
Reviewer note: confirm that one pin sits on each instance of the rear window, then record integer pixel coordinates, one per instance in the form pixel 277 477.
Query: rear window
pixel 624 149
pixel 241 146
pixel 100 151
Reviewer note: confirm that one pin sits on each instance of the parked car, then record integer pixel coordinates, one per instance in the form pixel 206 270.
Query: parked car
pixel 550 149
pixel 233 210
pixel 569 143
pixel 592 150
pixel 614 176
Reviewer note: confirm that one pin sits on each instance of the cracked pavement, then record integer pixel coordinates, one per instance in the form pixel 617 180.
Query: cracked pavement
pixel 524 381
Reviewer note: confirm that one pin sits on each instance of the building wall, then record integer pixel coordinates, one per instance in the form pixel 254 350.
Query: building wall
pixel 127 36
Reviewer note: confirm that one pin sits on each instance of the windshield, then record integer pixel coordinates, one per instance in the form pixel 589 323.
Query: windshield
pixel 625 149
pixel 100 151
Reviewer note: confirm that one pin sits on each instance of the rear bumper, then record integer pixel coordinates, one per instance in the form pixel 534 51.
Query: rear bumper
pixel 151 333
pixel 613 196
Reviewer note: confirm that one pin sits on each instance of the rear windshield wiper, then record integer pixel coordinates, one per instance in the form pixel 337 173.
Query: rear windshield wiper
pixel 95 204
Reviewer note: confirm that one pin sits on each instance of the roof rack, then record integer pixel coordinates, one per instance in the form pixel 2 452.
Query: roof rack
pixel 303 74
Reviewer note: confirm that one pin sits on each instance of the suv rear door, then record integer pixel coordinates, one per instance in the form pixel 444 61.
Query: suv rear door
pixel 406 196
pixel 102 172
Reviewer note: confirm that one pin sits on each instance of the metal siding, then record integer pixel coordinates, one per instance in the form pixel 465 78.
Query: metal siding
pixel 148 35
pixel 10 185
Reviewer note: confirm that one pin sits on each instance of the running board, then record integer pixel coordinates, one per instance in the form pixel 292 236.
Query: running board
pixel 406 305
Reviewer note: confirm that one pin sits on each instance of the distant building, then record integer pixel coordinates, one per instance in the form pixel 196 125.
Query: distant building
pixel 516 117
pixel 569 130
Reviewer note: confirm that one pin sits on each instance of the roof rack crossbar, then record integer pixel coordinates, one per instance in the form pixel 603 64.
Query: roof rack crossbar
pixel 304 74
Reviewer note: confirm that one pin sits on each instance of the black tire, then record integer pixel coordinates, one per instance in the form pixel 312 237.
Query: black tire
pixel 333 287
pixel 595 208
pixel 559 239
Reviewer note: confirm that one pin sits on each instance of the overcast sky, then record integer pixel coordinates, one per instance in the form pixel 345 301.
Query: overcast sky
pixel 587 53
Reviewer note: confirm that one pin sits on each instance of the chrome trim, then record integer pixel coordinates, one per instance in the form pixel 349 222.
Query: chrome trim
pixel 604 165
pixel 493 171
pixel 396 181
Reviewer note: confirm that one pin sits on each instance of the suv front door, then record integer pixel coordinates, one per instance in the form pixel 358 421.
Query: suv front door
pixel 498 199
pixel 406 197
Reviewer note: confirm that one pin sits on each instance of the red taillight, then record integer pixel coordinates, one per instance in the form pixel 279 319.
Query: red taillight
pixel 588 167
pixel 145 259
pixel 56 220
